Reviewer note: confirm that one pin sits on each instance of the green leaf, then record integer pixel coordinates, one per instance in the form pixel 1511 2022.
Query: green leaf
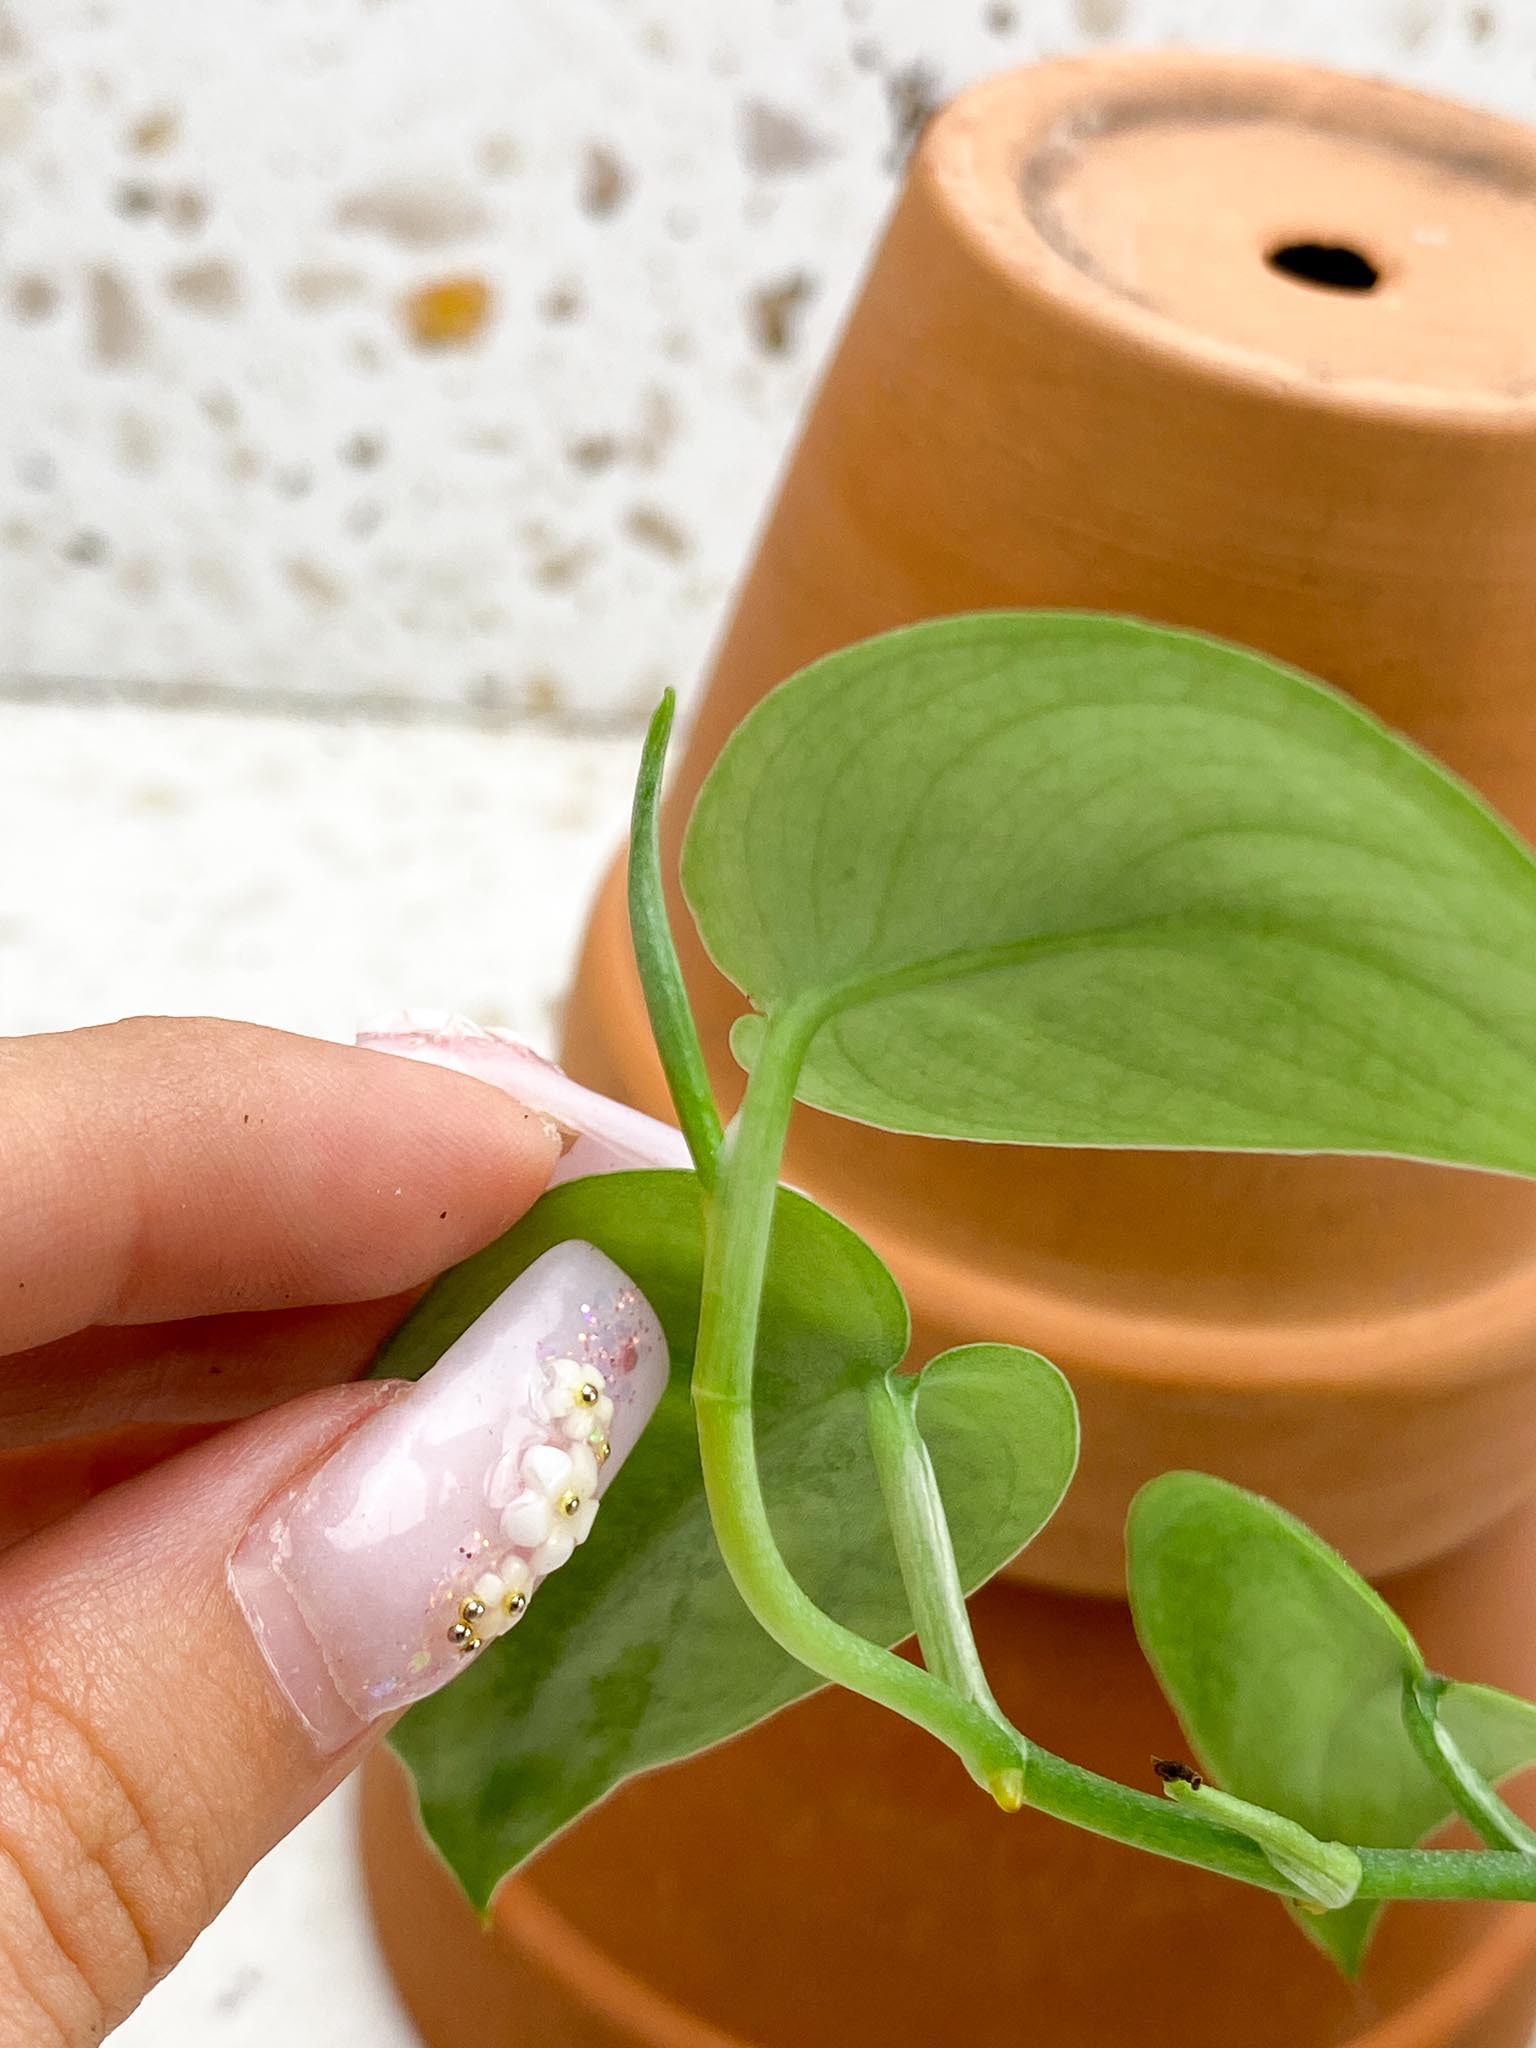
pixel 1062 879
pixel 642 1652
pixel 1286 1671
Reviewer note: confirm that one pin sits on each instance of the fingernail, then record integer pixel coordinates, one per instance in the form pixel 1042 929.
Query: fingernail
pixel 427 1533
pixel 603 1136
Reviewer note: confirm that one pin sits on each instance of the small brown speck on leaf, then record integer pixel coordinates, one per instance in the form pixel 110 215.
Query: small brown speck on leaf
pixel 448 313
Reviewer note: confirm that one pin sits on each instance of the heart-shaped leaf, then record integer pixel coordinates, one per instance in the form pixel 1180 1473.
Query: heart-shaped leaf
pixel 641 1651
pixel 1286 1671
pixel 1063 879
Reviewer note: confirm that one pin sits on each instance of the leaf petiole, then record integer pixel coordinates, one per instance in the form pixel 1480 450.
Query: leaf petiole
pixel 920 1530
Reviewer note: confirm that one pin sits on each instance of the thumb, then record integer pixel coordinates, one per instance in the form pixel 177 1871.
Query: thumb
pixel 194 1660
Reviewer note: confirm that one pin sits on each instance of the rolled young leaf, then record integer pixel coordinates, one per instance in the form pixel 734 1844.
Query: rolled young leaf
pixel 1063 879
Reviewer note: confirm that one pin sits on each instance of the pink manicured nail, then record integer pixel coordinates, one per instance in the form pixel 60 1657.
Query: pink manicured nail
pixel 428 1531
pixel 608 1138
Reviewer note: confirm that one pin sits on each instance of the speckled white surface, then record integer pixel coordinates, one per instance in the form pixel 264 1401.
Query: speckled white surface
pixel 224 461
pixel 302 873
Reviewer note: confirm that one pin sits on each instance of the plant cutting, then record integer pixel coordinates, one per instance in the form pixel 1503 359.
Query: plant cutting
pixel 1022 878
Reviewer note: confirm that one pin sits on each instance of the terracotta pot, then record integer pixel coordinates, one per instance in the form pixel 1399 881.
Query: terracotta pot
pixel 1074 378
pixel 832 1880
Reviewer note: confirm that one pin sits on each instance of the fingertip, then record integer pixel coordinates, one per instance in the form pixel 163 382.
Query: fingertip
pixel 434 1164
pixel 170 1167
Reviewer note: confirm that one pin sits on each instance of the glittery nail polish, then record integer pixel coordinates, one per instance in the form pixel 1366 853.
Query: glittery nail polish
pixel 427 1532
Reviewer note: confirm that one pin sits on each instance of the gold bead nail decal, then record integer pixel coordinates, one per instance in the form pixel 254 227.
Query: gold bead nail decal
pixel 541 1495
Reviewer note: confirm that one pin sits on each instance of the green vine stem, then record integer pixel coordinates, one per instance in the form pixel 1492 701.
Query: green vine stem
pixel 661 974
pixel 1475 1799
pixel 739 1222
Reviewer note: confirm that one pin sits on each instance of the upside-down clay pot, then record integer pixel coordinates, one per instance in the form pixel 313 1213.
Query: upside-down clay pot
pixel 1241 346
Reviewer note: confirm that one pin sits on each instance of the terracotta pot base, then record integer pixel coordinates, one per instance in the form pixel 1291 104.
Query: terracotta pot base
pixel 831 1880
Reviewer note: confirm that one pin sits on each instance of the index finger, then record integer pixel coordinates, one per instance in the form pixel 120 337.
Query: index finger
pixel 168 1167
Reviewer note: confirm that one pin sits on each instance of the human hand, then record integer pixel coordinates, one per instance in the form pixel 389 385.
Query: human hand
pixel 205 1231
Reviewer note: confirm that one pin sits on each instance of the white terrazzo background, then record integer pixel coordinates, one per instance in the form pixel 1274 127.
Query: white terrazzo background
pixel 228 462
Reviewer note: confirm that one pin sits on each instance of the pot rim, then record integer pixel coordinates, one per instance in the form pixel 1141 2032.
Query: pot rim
pixel 972 157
